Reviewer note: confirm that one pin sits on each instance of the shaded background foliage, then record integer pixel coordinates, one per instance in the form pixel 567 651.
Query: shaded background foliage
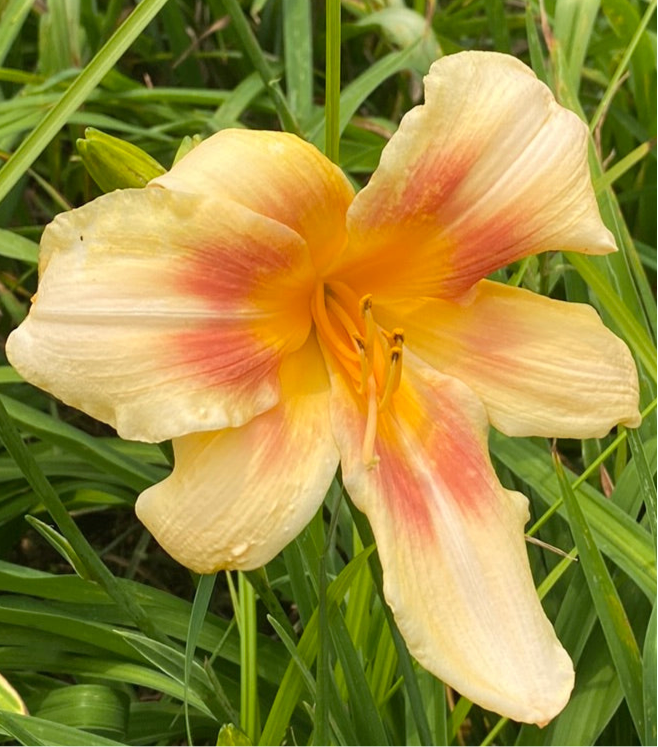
pixel 304 651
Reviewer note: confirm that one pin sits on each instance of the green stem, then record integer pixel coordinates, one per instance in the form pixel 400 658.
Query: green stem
pixel 332 85
pixel 249 721
pixel 95 567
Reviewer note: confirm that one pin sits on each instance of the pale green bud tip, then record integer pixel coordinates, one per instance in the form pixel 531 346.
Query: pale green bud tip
pixel 186 145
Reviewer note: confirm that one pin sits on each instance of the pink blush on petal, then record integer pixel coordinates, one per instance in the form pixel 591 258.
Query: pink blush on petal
pixel 222 354
pixel 435 180
pixel 227 278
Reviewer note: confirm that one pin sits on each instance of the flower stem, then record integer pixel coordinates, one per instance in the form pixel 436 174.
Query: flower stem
pixel 332 84
pixel 249 721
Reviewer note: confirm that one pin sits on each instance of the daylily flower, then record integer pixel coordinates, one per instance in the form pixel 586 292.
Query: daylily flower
pixel 248 305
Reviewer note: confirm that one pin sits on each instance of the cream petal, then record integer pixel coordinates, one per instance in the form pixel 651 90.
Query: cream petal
pixel 236 497
pixel 450 539
pixel 541 367
pixel 275 174
pixel 162 315
pixel 488 170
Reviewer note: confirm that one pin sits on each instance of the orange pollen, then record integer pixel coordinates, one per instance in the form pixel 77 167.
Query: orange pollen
pixel 371 357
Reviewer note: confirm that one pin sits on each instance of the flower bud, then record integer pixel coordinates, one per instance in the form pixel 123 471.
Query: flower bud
pixel 115 164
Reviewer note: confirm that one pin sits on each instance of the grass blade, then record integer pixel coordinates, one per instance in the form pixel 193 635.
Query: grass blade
pixel 644 474
pixel 649 657
pixel 13 16
pixel 616 627
pixel 33 145
pixel 197 616
pixel 298 55
pixel 255 54
pixel 404 658
pixel 631 329
pixel 44 490
pixel 332 127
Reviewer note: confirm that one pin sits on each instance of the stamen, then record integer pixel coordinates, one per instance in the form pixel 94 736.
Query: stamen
pixel 343 317
pixel 327 328
pixel 365 364
pixel 392 378
pixel 394 338
pixel 370 357
pixel 370 459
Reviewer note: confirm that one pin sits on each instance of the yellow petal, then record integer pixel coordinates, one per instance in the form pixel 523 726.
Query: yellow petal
pixel 275 174
pixel 162 315
pixel 541 367
pixel 489 170
pixel 450 539
pixel 238 496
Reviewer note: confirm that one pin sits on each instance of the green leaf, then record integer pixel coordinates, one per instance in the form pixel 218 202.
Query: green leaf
pixel 253 51
pixel 649 662
pixel 133 473
pixel 631 329
pixel 99 709
pixel 298 51
pixel 61 544
pixel 405 28
pixel 617 534
pixel 44 490
pixel 616 627
pixel 197 616
pixel 171 662
pixel 356 92
pixel 647 487
pixel 14 246
pixel 292 683
pixel 10 700
pixel 573 24
pixel 12 19
pixel 367 721
pixel 33 145
pixel 30 730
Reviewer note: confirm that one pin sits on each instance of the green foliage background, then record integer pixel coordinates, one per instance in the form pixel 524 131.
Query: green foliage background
pixel 104 638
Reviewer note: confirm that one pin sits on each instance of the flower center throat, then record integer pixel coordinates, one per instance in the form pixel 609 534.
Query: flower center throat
pixel 369 356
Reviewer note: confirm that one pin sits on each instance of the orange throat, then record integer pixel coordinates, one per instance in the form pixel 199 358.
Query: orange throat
pixel 369 357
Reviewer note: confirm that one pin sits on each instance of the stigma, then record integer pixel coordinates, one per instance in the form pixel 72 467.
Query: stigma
pixel 370 357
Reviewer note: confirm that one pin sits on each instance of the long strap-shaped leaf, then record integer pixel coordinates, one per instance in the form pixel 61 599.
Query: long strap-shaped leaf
pixel 96 569
pixel 612 616
pixel 34 144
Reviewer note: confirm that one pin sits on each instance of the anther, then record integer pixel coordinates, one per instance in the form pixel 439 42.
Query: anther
pixel 394 338
pixel 365 309
pixel 365 304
